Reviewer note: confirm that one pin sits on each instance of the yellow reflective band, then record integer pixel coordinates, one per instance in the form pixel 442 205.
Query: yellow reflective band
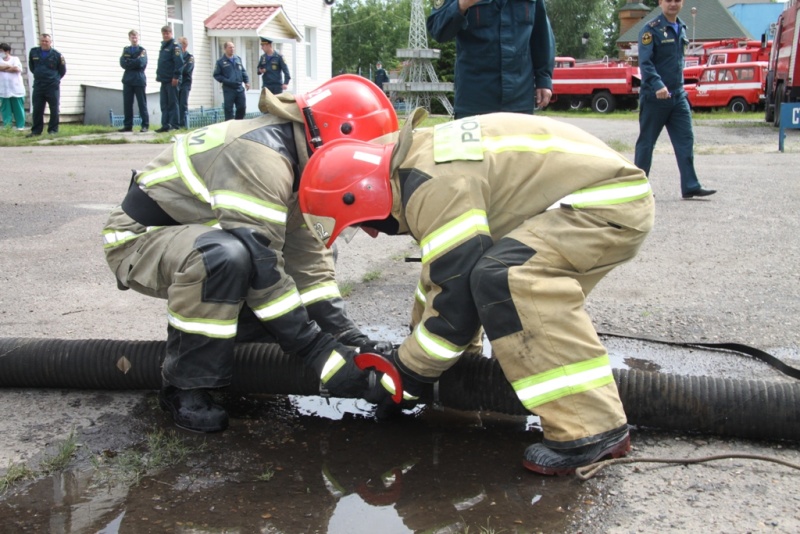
pixel 567 380
pixel 114 238
pixel 332 366
pixel 191 179
pixel 388 385
pixel 324 291
pixel 473 222
pixel 280 306
pixel 606 195
pixel 157 176
pixel 543 144
pixel 419 294
pixel 436 348
pixel 457 140
pixel 203 327
pixel 248 205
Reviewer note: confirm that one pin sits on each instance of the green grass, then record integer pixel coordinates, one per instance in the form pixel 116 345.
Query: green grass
pixel 161 450
pixel 14 474
pixel 62 457
pixel 371 276
pixel 74 134
pixel 345 289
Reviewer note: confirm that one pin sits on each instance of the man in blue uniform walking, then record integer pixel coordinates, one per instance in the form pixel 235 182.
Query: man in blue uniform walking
pixel 662 100
pixel 170 66
pixel 272 68
pixel 133 61
pixel 505 53
pixel 230 72
pixel 48 66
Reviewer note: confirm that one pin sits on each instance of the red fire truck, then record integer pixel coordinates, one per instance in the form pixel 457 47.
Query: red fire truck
pixel 749 51
pixel 604 85
pixel 783 77
pixel 737 86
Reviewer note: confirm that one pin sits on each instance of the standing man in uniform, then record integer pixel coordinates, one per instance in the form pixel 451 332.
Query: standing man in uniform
pixel 518 218
pixel 212 226
pixel 186 82
pixel 272 68
pixel 380 75
pixel 505 53
pixel 48 66
pixel 662 100
pixel 170 67
pixel 134 61
pixel 230 72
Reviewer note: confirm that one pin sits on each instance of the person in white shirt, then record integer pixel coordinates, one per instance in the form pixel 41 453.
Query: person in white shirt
pixel 12 90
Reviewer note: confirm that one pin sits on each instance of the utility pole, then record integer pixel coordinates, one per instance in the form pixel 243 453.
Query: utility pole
pixel 418 82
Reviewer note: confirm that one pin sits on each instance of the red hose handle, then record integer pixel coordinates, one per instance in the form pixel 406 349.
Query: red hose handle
pixel 368 360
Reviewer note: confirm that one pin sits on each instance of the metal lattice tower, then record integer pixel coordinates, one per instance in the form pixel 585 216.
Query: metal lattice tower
pixel 418 82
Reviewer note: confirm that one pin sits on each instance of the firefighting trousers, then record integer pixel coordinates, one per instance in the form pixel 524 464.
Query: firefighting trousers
pixel 530 289
pixel 204 275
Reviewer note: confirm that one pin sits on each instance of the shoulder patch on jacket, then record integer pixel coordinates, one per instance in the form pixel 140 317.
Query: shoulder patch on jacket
pixel 457 141
pixel 437 4
pixel 647 38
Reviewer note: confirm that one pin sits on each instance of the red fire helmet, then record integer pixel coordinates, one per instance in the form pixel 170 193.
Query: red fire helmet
pixel 345 183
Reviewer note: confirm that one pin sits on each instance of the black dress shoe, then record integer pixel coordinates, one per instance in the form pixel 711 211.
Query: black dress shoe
pixel 144 129
pixel 193 409
pixel 125 130
pixel 33 134
pixel 163 129
pixel 699 193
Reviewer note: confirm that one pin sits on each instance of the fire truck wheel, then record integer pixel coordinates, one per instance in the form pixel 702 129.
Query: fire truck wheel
pixel 603 102
pixel 577 103
pixel 738 105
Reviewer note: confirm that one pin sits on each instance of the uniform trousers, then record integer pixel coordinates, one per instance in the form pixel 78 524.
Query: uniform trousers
pixel 128 94
pixel 49 96
pixel 530 289
pixel 169 106
pixel 183 104
pixel 233 98
pixel 676 115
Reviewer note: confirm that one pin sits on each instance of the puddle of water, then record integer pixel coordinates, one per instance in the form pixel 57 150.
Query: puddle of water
pixel 287 465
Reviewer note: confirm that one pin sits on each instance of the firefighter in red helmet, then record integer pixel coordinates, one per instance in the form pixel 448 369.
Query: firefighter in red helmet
pixel 212 226
pixel 517 217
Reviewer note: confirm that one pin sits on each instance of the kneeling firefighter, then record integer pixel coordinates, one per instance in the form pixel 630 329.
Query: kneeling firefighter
pixel 518 217
pixel 212 226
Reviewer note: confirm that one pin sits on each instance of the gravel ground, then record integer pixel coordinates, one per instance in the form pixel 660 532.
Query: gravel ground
pixel 724 269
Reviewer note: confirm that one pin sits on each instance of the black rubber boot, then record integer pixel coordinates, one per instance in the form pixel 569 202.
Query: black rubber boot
pixel 554 458
pixel 193 409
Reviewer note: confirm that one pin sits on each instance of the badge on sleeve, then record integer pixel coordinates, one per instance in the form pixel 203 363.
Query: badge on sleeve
pixel 437 4
pixel 647 38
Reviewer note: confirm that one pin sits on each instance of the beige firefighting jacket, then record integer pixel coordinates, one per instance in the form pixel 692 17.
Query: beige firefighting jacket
pixel 484 176
pixel 244 174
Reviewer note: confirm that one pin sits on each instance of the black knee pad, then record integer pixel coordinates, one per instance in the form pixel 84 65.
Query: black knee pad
pixel 228 267
pixel 491 291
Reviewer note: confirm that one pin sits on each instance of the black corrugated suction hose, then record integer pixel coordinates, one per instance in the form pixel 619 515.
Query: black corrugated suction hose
pixel 738 408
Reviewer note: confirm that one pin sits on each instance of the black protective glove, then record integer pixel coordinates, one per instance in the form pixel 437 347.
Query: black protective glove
pixel 381 391
pixel 355 338
pixel 339 375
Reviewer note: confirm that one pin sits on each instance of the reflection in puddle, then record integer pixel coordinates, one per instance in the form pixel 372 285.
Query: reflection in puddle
pixel 301 464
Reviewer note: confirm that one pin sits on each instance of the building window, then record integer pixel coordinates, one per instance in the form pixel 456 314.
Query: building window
pixel 252 53
pixel 311 52
pixel 175 17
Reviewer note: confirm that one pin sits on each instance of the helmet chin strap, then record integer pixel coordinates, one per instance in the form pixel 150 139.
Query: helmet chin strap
pixel 316 139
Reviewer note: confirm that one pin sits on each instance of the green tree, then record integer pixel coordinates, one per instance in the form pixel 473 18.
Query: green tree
pixel 367 31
